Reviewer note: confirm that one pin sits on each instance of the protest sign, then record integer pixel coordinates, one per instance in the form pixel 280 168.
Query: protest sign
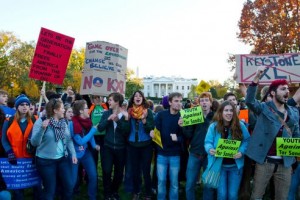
pixel 192 116
pixel 227 148
pixel 157 138
pixel 279 66
pixel 104 69
pixel 51 56
pixel 287 146
pixel 20 176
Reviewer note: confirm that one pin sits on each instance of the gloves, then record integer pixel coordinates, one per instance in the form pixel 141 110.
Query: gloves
pixel 11 157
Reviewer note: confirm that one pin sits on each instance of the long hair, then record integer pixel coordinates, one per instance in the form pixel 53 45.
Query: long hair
pixel 18 116
pixel 145 103
pixel 236 131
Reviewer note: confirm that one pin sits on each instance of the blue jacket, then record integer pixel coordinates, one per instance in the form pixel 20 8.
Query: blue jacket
pixel 81 143
pixel 267 127
pixel 143 130
pixel 211 142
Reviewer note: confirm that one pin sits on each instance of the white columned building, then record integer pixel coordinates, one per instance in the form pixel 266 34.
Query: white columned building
pixel 162 86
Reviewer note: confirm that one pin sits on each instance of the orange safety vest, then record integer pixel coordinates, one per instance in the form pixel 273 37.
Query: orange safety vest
pixel 104 106
pixel 17 140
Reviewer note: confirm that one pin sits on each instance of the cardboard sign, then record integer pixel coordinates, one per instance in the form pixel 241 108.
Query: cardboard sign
pixel 244 115
pixel 279 66
pixel 102 83
pixel 157 138
pixel 192 116
pixel 287 146
pixel 227 148
pixel 51 56
pixel 20 176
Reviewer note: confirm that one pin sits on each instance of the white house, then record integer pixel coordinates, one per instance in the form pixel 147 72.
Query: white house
pixel 161 86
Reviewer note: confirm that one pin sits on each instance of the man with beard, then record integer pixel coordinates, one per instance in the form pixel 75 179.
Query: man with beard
pixel 274 119
pixel 198 156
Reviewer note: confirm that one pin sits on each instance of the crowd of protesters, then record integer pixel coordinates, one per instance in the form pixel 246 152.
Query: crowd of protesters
pixel 74 133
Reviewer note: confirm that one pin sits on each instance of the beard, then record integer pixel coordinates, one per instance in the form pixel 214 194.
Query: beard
pixel 280 99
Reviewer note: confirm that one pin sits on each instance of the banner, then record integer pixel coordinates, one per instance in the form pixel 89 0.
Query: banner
pixel 51 56
pixel 227 148
pixel 279 66
pixel 157 138
pixel 287 146
pixel 192 116
pixel 104 69
pixel 20 176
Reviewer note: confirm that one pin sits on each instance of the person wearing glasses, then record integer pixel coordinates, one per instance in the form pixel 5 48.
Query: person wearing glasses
pixel 83 137
pixel 53 141
pixel 15 133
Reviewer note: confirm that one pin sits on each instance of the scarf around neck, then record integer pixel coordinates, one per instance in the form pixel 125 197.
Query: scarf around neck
pixel 136 112
pixel 58 127
pixel 81 124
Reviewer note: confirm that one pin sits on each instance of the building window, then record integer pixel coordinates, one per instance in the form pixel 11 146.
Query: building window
pixel 148 87
pixel 182 87
pixel 148 94
pixel 188 87
pixel 177 87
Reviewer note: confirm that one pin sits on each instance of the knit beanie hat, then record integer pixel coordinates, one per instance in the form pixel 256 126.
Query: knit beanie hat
pixel 165 102
pixel 21 99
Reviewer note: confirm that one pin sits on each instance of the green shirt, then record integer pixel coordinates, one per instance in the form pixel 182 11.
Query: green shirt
pixel 96 116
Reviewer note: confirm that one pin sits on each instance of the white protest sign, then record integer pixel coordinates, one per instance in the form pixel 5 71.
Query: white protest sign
pixel 279 66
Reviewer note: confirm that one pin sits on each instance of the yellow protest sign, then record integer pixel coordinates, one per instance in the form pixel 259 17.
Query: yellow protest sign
pixel 202 87
pixel 227 148
pixel 157 138
pixel 287 146
pixel 192 116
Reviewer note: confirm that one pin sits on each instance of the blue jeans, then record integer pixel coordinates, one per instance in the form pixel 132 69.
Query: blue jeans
pixel 5 195
pixel 294 184
pixel 47 169
pixel 89 165
pixel 192 174
pixel 163 164
pixel 230 179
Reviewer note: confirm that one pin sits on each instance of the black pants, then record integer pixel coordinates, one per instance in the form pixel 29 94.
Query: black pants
pixel 112 160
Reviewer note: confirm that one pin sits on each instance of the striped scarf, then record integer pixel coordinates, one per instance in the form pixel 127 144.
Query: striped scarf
pixel 58 127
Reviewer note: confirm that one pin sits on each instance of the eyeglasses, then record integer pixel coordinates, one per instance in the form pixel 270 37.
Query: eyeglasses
pixel 24 104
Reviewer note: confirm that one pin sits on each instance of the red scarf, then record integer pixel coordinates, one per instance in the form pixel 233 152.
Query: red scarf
pixel 136 112
pixel 81 124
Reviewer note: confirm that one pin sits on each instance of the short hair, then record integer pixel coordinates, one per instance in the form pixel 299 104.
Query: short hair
pixel 206 95
pixel 3 92
pixel 117 97
pixel 228 94
pixel 174 94
pixel 274 85
pixel 78 106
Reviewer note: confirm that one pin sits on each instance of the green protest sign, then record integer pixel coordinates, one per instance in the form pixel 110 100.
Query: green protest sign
pixel 227 148
pixel 192 116
pixel 287 146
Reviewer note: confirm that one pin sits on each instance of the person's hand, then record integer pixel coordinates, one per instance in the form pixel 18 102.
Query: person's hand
pixel 97 147
pixel 74 160
pixel 243 89
pixel 238 155
pixel 212 152
pixel 45 123
pixel 11 157
pixel 113 117
pixel 259 72
pixel 125 114
pixel 174 137
pixel 180 122
pixel 152 134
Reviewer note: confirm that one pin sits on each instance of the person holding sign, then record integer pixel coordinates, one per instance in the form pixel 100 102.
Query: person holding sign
pixel 53 141
pixel 197 155
pixel 116 124
pixel 275 119
pixel 168 157
pixel 140 143
pixel 226 125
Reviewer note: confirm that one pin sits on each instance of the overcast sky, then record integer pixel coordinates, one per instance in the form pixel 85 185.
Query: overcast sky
pixel 183 38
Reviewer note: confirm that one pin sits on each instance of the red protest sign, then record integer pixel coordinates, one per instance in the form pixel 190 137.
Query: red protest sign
pixel 51 56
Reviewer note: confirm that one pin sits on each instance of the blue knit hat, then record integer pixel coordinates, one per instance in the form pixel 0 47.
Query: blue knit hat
pixel 21 99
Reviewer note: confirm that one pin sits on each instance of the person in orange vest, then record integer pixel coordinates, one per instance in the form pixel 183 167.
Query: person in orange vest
pixel 15 133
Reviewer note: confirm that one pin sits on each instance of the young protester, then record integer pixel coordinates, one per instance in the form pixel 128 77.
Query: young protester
pixel 3 104
pixel 226 125
pixel 115 122
pixel 168 157
pixel 83 136
pixel 53 141
pixel 140 142
pixel 274 119
pixel 197 154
